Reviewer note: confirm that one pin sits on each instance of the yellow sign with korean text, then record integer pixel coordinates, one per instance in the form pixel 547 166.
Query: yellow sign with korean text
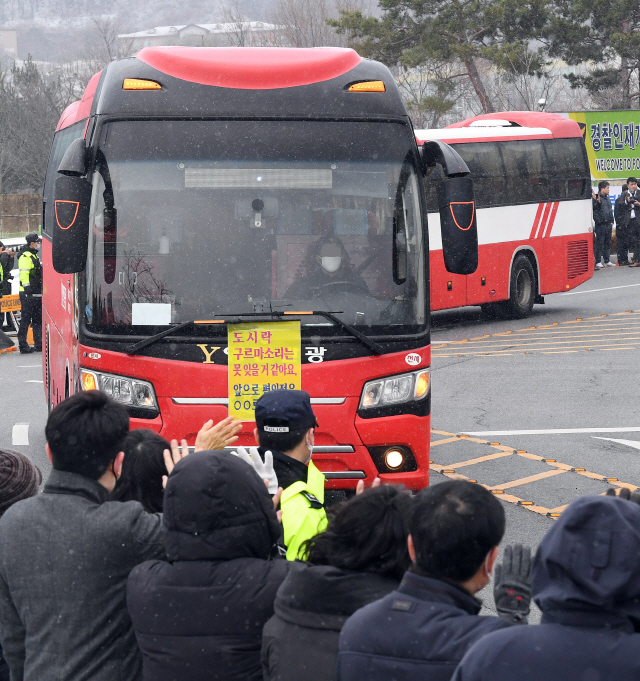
pixel 262 357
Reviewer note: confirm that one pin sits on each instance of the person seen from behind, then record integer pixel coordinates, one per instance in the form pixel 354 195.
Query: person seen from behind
pixel 19 479
pixel 621 215
pixel 359 558
pixel 285 431
pixel 65 554
pixel 6 265
pixel 586 582
pixel 423 629
pixel 144 467
pixel 199 614
pixel 30 295
pixel 603 219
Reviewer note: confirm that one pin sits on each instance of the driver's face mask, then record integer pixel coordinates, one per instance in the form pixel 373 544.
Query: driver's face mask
pixel 331 263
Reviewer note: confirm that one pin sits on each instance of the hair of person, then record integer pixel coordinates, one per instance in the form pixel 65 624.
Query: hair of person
pixel 368 533
pixel 454 525
pixel 602 184
pixel 86 432
pixel 20 478
pixel 632 179
pixel 625 188
pixel 142 470
pixel 281 442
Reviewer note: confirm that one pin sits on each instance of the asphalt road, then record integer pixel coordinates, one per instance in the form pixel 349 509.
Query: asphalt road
pixel 541 410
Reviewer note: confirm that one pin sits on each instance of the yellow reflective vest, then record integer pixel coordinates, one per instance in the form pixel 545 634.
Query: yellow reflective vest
pixel 303 515
pixel 27 262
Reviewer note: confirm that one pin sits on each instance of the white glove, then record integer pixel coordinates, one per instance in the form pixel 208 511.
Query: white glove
pixel 263 469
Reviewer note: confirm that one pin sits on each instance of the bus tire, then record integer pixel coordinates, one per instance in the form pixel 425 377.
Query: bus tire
pixel 523 289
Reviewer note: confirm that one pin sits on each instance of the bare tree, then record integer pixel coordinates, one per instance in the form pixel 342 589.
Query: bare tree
pixel 234 16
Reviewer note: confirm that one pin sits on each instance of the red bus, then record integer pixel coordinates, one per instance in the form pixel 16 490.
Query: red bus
pixel 195 187
pixel 533 196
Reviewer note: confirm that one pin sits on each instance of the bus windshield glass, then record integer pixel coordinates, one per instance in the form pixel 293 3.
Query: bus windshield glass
pixel 192 219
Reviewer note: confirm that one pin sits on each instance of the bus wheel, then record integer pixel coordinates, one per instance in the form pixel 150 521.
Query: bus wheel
pixel 523 289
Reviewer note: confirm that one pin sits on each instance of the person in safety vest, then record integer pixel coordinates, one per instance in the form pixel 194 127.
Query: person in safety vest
pixel 30 295
pixel 285 426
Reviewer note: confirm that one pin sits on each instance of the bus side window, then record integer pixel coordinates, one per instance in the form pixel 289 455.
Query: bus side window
pixel 61 141
pixel 569 170
pixel 526 168
pixel 487 171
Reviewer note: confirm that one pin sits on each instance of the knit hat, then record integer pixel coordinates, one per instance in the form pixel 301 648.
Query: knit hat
pixel 19 478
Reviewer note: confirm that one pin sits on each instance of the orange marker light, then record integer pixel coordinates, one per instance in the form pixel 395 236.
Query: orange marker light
pixel 368 86
pixel 138 84
pixel 422 384
pixel 88 381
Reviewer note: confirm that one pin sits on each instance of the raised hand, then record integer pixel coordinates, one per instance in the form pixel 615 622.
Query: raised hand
pixel 222 435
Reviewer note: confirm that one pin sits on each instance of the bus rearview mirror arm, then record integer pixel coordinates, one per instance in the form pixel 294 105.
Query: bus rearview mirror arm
pixel 434 152
pixel 457 207
pixel 74 161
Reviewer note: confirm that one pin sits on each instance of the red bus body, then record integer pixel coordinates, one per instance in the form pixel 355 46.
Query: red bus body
pixel 189 392
pixel 520 214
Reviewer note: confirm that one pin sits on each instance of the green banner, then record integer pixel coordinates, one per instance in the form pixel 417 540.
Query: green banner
pixel 612 139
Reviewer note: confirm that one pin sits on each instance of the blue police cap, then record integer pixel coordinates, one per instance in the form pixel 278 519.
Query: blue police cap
pixel 284 411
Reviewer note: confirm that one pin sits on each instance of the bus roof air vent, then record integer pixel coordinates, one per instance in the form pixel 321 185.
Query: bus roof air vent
pixel 493 123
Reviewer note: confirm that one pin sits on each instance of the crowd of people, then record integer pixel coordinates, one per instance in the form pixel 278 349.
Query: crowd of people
pixel 625 213
pixel 142 561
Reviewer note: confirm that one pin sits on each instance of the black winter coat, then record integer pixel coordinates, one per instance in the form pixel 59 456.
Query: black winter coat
pixel 418 633
pixel 200 616
pixel 587 583
pixel 300 642
pixel 602 211
pixel 621 213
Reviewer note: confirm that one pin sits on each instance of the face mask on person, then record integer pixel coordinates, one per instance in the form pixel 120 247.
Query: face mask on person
pixel 331 263
pixel 309 442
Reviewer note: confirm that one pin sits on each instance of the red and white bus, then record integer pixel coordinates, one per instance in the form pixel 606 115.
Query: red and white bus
pixel 533 197
pixel 195 187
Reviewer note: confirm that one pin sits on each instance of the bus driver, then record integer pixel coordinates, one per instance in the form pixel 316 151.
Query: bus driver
pixel 326 269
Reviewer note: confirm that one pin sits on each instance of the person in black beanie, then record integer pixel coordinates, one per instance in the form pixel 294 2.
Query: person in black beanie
pixel 19 479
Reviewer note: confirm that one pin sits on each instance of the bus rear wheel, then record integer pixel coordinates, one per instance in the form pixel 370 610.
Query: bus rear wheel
pixel 522 293
pixel 522 290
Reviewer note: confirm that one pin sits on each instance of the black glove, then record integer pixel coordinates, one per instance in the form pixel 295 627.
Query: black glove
pixel 512 585
pixel 27 291
pixel 625 494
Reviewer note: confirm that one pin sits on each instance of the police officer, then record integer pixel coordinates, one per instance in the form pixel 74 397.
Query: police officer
pixel 30 294
pixel 285 425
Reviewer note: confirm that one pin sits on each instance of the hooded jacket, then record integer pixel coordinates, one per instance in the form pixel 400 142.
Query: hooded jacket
pixel 200 615
pixel 586 581
pixel 419 632
pixel 301 640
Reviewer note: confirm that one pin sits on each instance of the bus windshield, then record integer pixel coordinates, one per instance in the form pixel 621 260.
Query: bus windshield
pixel 192 219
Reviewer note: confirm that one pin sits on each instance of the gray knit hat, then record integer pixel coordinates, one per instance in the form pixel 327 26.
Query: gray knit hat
pixel 20 478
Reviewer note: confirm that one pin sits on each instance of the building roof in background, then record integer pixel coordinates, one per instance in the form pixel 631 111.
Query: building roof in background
pixel 161 31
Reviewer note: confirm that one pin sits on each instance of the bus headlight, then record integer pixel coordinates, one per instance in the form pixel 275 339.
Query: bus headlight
pixel 132 392
pixel 398 389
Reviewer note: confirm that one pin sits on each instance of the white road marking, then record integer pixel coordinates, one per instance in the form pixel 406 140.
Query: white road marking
pixel 29 366
pixel 630 443
pixel 435 341
pixel 555 431
pixel 20 434
pixel 595 290
pixel 34 381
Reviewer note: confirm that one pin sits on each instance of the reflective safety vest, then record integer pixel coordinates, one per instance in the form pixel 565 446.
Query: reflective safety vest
pixel 30 271
pixel 303 515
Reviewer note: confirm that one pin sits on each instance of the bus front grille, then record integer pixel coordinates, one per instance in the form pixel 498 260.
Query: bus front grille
pixel 577 258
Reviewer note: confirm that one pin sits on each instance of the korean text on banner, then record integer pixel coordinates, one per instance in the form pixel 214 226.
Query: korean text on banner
pixel 262 357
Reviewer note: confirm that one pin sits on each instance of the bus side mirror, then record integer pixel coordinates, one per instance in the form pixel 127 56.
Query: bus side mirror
pixel 434 151
pixel 74 161
pixel 70 238
pixel 458 225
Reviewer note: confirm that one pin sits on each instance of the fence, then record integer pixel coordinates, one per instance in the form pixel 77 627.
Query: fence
pixel 20 214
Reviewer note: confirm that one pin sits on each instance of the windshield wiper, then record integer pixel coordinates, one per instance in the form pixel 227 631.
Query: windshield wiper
pixel 375 348
pixel 150 340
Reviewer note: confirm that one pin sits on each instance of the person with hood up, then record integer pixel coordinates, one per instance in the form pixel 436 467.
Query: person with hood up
pixel 360 558
pixel 586 582
pixel 199 615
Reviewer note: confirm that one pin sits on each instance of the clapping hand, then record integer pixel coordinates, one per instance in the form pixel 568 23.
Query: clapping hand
pixel 172 457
